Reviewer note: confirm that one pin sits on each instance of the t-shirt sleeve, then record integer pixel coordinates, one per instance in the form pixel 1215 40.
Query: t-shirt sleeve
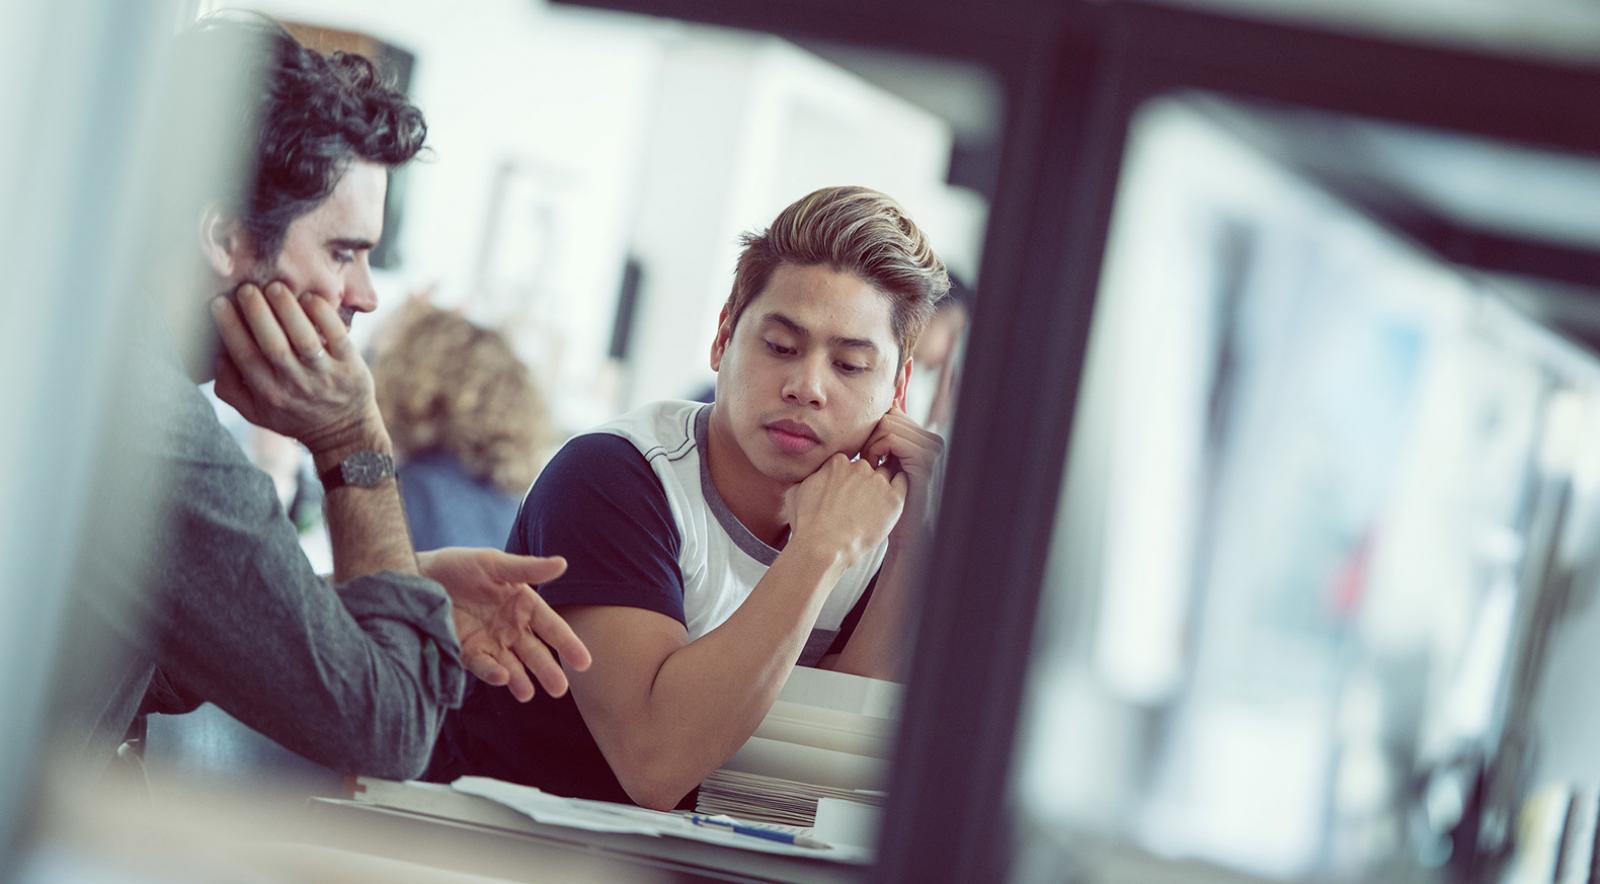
pixel 599 505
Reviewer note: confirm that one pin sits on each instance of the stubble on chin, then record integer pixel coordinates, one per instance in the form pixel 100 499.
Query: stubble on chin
pixel 784 470
pixel 261 276
pixel 795 473
pixel 776 470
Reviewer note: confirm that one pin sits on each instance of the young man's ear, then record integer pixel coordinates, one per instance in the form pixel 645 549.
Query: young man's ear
pixel 720 343
pixel 222 242
pixel 901 383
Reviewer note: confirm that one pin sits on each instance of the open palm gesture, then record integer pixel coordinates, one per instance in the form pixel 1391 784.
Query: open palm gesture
pixel 507 632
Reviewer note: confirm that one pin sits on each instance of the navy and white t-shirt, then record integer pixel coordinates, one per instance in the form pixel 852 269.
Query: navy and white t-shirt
pixel 632 508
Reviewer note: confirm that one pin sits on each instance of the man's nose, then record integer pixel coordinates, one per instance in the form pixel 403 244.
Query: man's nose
pixel 805 383
pixel 359 293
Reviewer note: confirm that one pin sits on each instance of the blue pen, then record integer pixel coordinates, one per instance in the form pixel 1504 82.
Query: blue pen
pixel 768 834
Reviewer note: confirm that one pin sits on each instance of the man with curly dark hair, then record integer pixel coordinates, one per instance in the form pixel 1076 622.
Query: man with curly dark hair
pixel 356 675
pixel 318 145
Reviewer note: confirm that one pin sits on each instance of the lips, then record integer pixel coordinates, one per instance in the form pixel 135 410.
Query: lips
pixel 792 437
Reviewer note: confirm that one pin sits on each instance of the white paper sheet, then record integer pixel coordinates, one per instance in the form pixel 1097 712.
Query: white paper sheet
pixel 606 816
pixel 573 813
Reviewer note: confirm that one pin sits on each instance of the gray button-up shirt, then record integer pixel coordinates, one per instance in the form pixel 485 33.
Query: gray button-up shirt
pixel 208 597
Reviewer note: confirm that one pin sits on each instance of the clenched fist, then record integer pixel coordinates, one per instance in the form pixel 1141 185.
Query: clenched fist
pixel 846 506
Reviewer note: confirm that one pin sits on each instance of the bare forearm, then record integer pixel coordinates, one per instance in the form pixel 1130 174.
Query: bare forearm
pixel 367 526
pixel 878 647
pixel 711 695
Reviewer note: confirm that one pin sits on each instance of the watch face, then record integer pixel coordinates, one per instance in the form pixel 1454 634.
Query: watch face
pixel 367 468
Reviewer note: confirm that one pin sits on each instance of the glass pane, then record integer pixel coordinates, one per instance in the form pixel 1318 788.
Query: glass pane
pixel 1313 511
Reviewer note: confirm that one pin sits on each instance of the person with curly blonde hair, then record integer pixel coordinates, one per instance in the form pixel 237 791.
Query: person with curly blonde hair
pixel 468 423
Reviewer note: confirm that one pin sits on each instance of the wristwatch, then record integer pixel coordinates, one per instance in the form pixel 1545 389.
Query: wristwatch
pixel 362 469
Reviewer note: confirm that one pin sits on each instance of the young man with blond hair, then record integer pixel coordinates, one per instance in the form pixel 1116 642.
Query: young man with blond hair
pixel 711 548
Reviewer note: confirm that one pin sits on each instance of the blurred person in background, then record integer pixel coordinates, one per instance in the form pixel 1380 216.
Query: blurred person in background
pixel 931 399
pixel 713 547
pixel 211 598
pixel 468 423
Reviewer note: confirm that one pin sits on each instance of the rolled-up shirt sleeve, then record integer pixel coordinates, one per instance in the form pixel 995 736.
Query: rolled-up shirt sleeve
pixel 355 676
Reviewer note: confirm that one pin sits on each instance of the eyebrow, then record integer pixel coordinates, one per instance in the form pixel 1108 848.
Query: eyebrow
pixel 355 245
pixel 801 331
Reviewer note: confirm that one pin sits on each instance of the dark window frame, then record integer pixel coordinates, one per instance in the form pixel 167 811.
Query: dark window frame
pixel 1073 76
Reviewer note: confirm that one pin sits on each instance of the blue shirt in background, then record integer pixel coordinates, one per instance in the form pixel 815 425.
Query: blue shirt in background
pixel 447 506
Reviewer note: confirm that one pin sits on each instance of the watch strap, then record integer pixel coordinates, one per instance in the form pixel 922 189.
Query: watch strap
pixel 361 469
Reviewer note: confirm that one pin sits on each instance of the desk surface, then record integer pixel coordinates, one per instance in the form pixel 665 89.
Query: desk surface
pixel 406 817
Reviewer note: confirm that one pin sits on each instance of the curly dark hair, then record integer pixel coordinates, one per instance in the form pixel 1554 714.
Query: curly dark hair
pixel 311 115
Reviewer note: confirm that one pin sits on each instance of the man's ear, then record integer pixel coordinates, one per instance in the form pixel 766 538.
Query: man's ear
pixel 222 241
pixel 901 383
pixel 720 344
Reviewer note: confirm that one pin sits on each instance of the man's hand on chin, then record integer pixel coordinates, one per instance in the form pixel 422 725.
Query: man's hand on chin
pixel 918 454
pixel 507 631
pixel 288 365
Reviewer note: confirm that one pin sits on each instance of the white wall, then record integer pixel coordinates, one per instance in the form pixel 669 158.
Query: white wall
pixel 745 125
pixel 563 93
pixel 667 138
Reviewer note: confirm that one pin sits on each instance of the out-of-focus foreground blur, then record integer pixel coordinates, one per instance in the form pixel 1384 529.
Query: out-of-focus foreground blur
pixel 1268 540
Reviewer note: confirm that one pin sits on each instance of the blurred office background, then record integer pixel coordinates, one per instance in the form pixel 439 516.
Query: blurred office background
pixel 1315 588
pixel 1320 479
pixel 591 171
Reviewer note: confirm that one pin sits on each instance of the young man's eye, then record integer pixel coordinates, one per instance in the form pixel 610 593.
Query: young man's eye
pixel 779 349
pixel 344 256
pixel 850 368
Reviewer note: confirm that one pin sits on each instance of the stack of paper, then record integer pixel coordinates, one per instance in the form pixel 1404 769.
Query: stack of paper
pixel 771 799
pixel 626 819
pixel 827 736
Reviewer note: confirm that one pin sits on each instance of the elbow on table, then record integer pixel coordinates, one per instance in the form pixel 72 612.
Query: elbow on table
pixel 654 795
pixel 654 782
pixel 401 751
pixel 406 762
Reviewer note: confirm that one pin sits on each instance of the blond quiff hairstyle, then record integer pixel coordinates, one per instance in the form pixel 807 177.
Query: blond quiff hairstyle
pixel 852 230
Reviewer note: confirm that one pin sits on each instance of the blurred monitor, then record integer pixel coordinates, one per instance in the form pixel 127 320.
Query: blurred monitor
pixel 1315 492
